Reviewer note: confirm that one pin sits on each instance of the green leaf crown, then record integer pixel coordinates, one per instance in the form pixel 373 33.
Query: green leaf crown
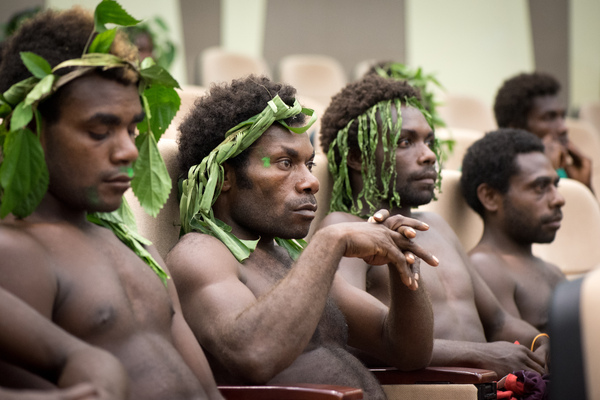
pixel 204 181
pixel 23 171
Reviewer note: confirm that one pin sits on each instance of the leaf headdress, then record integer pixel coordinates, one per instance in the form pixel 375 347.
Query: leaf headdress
pixel 23 172
pixel 204 181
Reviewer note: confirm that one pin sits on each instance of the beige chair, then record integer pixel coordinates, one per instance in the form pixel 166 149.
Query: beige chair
pixel 463 138
pixel 464 111
pixel 576 248
pixel 590 112
pixel 361 68
pixel 188 94
pixel 220 65
pixel 316 76
pixel 587 139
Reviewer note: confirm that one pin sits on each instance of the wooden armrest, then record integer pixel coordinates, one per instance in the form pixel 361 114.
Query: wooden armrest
pixel 298 391
pixel 392 376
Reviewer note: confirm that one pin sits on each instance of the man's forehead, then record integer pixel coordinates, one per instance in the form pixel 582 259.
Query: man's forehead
pixel 542 104
pixel 278 136
pixel 531 166
pixel 412 118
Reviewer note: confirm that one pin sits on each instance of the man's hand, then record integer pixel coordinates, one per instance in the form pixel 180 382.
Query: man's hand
pixel 82 391
pixel 506 357
pixel 578 166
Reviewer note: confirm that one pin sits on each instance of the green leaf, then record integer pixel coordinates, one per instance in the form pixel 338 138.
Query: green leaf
pixel 5 109
pixel 23 173
pixel 21 116
pixel 143 125
pixel 111 12
pixel 151 183
pixel 164 103
pixel 147 63
pixel 37 65
pixel 158 76
pixel 103 41
pixel 41 90
pixel 17 92
pixel 93 60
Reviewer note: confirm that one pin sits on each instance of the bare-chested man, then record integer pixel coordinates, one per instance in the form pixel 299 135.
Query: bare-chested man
pixel 508 180
pixel 274 320
pixel 470 327
pixel 74 272
pixel 82 371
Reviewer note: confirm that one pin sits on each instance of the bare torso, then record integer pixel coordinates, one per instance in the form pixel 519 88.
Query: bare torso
pixel 523 284
pixel 93 286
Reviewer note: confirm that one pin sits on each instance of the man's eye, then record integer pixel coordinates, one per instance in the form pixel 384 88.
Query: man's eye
pixel 286 163
pixel 98 136
pixel 404 143
pixel 311 165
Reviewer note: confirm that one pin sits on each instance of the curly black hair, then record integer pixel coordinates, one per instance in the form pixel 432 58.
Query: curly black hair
pixel 58 36
pixel 514 99
pixel 222 108
pixel 491 160
pixel 355 99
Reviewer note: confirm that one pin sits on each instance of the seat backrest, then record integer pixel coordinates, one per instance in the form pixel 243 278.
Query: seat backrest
pixel 220 65
pixel 590 112
pixel 463 138
pixel 316 76
pixel 464 111
pixel 587 140
pixel 575 249
pixel 188 95
pixel 163 230
pixel 452 206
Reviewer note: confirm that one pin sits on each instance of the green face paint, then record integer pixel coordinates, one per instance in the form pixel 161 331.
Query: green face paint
pixel 266 162
pixel 127 170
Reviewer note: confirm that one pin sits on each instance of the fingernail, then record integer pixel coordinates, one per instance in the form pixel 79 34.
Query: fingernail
pixel 416 285
pixel 409 281
pixel 371 220
pixel 436 259
pixel 411 230
pixel 416 277
pixel 426 225
pixel 378 215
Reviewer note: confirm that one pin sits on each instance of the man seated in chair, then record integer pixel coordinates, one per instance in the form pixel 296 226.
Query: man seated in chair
pixel 381 152
pixel 75 272
pixel 508 180
pixel 265 310
pixel 530 102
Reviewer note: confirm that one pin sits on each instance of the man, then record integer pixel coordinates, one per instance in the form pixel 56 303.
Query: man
pixel 508 180
pixel 393 164
pixel 273 319
pixel 74 272
pixel 530 102
pixel 33 342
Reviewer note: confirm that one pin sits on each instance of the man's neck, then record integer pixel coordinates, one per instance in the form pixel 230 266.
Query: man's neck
pixel 495 237
pixel 52 209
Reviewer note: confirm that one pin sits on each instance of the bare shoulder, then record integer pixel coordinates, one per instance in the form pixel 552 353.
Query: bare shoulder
pixel 338 217
pixel 434 220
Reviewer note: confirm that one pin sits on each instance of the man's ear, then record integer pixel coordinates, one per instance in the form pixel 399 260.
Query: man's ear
pixel 354 160
pixel 228 177
pixel 489 197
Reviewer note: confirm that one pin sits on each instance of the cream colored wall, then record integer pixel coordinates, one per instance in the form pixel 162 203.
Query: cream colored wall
pixel 168 10
pixel 472 45
pixel 585 51
pixel 243 26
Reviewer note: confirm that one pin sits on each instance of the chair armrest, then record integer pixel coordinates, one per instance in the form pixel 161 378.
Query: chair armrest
pixel 299 391
pixel 392 376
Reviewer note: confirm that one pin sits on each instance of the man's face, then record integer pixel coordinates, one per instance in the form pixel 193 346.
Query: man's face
pixel 531 209
pixel 90 149
pixel 415 159
pixel 280 201
pixel 547 117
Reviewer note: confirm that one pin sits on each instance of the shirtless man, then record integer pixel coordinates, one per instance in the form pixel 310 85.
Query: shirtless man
pixel 76 273
pixel 82 371
pixel 508 180
pixel 470 327
pixel 530 102
pixel 274 320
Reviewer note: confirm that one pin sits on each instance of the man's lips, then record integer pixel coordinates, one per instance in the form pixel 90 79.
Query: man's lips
pixel 429 177
pixel 307 209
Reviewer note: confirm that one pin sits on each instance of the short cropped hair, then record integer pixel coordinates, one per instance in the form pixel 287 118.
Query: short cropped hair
pixel 492 160
pixel 514 99
pixel 58 36
pixel 225 106
pixel 355 99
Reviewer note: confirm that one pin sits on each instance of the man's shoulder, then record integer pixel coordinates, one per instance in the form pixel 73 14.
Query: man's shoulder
pixel 338 217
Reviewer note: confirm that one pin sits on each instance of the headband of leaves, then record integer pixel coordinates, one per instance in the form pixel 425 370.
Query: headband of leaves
pixel 205 180
pixel 23 171
pixel 369 134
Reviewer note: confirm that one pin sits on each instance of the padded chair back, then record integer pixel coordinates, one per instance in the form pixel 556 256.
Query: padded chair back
pixel 188 95
pixel 451 205
pixel 587 139
pixel 163 230
pixel 463 138
pixel 576 247
pixel 220 65
pixel 464 111
pixel 316 76
pixel 590 112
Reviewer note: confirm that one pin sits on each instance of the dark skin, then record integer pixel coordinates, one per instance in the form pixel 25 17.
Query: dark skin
pixel 471 328
pixel 79 275
pixel 279 321
pixel 83 372
pixel 528 213
pixel 547 121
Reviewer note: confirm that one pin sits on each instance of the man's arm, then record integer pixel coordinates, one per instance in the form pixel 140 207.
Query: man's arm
pixel 578 166
pixel 256 337
pixel 30 341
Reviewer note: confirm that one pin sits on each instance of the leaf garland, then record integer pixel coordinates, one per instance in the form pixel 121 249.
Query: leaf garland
pixel 23 171
pixel 204 181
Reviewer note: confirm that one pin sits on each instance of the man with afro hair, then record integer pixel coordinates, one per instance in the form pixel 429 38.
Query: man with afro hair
pixel 530 101
pixel 71 269
pixel 508 180
pixel 381 151
pixel 277 315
